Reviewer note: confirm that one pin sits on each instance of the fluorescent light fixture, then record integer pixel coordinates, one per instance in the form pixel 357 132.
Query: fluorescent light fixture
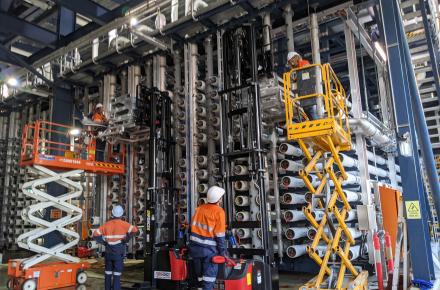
pixel 381 51
pixel 74 132
pixel 13 82
pixel 133 21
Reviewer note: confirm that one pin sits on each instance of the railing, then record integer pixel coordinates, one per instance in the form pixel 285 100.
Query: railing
pixel 333 97
pixel 57 145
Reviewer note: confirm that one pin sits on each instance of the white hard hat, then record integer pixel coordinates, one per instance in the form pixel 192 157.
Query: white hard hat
pixel 215 193
pixel 292 54
pixel 98 105
pixel 117 211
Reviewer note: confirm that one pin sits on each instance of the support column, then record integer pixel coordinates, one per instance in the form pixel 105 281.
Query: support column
pixel 361 145
pixel 192 147
pixel 288 15
pixel 209 103
pixel 316 58
pixel 412 182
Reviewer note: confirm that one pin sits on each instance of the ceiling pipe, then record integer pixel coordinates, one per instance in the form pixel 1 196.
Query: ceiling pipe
pixel 368 130
pixel 149 39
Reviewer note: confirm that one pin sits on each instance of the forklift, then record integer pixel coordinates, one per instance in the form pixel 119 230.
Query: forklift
pixel 167 263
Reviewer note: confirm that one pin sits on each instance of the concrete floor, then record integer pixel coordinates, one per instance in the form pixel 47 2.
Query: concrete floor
pixel 134 272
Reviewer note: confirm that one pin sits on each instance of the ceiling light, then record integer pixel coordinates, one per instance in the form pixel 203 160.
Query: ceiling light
pixel 133 21
pixel 74 132
pixel 13 82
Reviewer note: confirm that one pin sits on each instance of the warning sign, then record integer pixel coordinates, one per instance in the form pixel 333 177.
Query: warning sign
pixel 413 209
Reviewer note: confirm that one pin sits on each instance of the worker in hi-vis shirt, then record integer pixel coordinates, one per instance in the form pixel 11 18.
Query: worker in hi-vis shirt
pixel 207 237
pixel 114 234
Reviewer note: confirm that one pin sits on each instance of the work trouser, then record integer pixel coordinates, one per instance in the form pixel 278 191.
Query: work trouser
pixel 114 264
pixel 206 272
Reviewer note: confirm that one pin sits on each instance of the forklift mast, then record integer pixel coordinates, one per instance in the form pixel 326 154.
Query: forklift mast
pixel 243 157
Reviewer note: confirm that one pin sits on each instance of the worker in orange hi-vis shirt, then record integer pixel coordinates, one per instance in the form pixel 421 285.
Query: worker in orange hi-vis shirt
pixel 114 234
pixel 99 117
pixel 309 105
pixel 207 237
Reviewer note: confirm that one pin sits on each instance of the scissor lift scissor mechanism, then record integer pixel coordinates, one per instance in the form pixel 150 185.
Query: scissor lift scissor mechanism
pixel 326 137
pixel 47 152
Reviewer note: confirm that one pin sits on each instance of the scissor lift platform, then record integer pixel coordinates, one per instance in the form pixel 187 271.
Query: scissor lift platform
pixel 41 145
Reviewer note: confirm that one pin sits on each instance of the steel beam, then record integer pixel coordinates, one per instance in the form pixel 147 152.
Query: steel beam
pixel 23 63
pixel 433 48
pixel 412 182
pixel 5 5
pixel 5 56
pixel 14 25
pixel 87 8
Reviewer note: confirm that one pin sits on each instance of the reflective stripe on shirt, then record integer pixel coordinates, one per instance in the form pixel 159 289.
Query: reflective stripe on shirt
pixel 203 226
pixel 203 241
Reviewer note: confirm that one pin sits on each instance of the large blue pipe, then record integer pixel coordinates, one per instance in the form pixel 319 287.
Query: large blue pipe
pixel 420 121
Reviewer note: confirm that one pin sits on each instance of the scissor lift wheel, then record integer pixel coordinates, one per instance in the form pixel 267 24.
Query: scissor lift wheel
pixel 81 277
pixel 29 284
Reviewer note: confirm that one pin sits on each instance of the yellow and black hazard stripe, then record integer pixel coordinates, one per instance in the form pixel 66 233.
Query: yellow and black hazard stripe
pixel 108 165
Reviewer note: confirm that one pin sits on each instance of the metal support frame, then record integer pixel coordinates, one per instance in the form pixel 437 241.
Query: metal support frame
pixel 361 145
pixel 412 181
pixel 432 39
pixel 14 25
pixel 87 8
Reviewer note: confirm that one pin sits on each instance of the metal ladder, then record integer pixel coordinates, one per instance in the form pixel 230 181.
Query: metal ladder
pixel 33 214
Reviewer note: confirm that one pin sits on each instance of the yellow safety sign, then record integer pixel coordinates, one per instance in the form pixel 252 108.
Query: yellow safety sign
pixel 413 209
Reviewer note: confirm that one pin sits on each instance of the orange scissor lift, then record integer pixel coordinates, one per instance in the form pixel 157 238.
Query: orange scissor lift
pixel 55 153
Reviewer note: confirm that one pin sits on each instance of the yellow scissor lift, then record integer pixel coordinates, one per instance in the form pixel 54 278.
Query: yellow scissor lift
pixel 326 137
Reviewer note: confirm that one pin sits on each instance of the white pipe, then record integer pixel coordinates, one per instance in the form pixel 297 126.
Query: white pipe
pixel 91 232
pixel 351 196
pixel 290 165
pixel 296 233
pixel 241 200
pixel 183 218
pixel 351 215
pixel 272 216
pixel 348 161
pixel 293 215
pixel 293 198
pixel 242 216
pixel 368 130
pixel 202 174
pixel 202 188
pixel 295 251
pixel 202 161
pixel 202 200
pixel 377 171
pixel 353 254
pixel 318 215
pixel 289 149
pixel 240 170
pixel 92 245
pixel 138 245
pixel 355 233
pixel 295 182
pixel 243 233
pixel 241 185
pixel 201 125
pixel 94 220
